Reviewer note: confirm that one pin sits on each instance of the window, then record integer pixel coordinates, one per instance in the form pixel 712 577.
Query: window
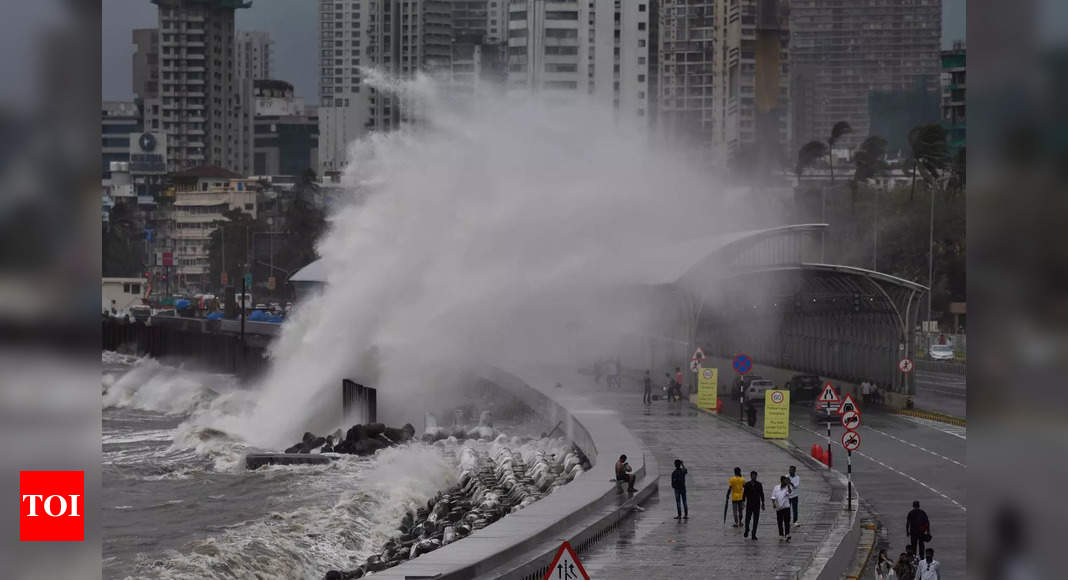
pixel 641 43
pixel 641 26
pixel 641 8
pixel 641 78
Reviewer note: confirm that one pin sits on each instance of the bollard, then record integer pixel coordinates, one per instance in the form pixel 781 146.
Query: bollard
pixel 816 452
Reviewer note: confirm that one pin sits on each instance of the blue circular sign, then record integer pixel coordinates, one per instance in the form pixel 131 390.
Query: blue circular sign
pixel 742 364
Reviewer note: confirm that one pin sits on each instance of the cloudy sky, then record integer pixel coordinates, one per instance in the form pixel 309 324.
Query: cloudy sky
pixel 292 25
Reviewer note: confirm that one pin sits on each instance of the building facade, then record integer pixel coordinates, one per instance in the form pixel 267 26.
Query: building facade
pixel 146 64
pixel 954 93
pixel 843 51
pixel 687 109
pixel 285 131
pixel 602 48
pixel 201 196
pixel 253 55
pixel 753 85
pixel 118 121
pixel 200 108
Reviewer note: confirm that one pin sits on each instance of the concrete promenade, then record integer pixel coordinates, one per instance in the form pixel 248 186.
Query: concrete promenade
pixel 653 545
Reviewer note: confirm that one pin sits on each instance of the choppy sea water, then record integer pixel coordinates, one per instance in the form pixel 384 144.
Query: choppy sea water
pixel 178 502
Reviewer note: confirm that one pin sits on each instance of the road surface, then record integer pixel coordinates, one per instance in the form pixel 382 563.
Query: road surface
pixel 940 391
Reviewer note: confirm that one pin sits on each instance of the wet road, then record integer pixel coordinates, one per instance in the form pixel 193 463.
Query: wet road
pixel 902 459
pixel 942 392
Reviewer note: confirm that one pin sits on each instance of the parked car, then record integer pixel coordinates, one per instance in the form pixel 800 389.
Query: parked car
pixel 756 388
pixel 804 387
pixel 941 352
pixel 140 312
pixel 822 412
pixel 741 384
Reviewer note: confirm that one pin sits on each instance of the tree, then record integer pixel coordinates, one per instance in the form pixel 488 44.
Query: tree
pixel 808 155
pixel 235 230
pixel 869 161
pixel 122 244
pixel 928 154
pixel 840 129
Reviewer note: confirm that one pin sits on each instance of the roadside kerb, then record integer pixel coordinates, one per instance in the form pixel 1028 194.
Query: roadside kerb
pixel 516 546
pixel 933 416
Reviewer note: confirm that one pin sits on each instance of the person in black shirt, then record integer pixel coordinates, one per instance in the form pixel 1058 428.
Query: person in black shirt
pixel 753 495
pixel 678 483
pixel 917 526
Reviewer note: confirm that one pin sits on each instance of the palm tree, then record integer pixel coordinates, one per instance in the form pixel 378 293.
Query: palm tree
pixel 928 153
pixel 808 155
pixel 840 129
pixel 869 161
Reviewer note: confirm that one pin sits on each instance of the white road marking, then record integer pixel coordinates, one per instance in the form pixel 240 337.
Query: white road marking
pixel 893 469
pixel 954 430
pixel 920 447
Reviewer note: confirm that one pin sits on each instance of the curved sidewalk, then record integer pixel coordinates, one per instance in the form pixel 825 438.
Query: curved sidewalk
pixel 655 545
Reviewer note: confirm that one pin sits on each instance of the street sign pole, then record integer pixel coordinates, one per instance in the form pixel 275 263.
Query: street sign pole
pixel 828 444
pixel 849 475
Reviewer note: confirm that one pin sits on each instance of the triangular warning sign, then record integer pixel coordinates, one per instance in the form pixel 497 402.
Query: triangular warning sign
pixel 828 395
pixel 566 565
pixel 698 354
pixel 848 405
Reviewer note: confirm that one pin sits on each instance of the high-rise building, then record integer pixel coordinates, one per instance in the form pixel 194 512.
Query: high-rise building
pixel 396 37
pixel 200 108
pixel 687 110
pixel 602 48
pixel 146 64
pixel 954 91
pixel 253 55
pixel 285 131
pixel 753 88
pixel 843 51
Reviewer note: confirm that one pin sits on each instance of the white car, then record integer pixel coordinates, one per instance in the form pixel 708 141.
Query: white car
pixel 941 352
pixel 755 390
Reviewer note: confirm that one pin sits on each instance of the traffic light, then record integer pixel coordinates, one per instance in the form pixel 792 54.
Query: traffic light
pixel 856 302
pixel 270 283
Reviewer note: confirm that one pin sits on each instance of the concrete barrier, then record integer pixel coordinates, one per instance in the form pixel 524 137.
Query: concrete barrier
pixel 516 545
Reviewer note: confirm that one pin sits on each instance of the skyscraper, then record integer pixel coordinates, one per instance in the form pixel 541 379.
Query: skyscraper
pixel 602 48
pixel 253 55
pixel 753 88
pixel 842 51
pixel 396 37
pixel 146 63
pixel 687 110
pixel 199 106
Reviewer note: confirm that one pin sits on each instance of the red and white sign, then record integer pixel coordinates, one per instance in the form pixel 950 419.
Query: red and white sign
pixel 851 440
pixel 51 506
pixel 696 360
pixel 566 565
pixel 847 405
pixel 851 420
pixel 829 395
pixel 905 365
pixel 168 259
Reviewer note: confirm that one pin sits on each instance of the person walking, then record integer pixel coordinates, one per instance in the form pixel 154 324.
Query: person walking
pixel 623 472
pixel 735 489
pixel 929 568
pixel 780 500
pixel 678 483
pixel 795 484
pixel 678 382
pixel 904 570
pixel 884 567
pixel 918 528
pixel 753 494
pixel 647 389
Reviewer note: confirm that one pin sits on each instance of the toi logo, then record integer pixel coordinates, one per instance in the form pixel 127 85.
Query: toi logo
pixel 51 506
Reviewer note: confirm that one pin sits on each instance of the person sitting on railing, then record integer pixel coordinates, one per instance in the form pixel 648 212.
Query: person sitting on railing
pixel 623 472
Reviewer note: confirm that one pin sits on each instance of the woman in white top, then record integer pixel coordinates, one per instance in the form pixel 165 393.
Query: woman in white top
pixel 780 498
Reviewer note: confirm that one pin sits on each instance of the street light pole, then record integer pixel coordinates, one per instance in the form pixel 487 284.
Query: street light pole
pixel 930 260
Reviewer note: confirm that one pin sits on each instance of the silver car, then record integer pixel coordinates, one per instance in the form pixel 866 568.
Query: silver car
pixel 941 352
pixel 755 390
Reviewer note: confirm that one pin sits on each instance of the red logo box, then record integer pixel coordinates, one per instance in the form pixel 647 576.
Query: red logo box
pixel 51 506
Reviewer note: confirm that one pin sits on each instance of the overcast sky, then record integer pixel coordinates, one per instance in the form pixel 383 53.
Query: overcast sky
pixel 292 26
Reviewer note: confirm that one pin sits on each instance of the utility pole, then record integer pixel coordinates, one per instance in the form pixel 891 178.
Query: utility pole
pixel 930 260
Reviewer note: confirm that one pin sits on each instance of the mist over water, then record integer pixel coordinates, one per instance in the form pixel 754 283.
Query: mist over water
pixel 493 232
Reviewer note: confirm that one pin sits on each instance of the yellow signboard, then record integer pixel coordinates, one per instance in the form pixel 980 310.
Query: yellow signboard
pixel 707 382
pixel 776 414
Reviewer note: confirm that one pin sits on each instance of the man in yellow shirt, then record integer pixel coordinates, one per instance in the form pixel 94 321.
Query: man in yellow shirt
pixel 734 490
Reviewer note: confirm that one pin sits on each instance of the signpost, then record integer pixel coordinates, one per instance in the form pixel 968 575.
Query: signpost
pixel 827 398
pixel 850 440
pixel 707 384
pixel 566 565
pixel 742 364
pixel 696 360
pixel 905 365
pixel 776 414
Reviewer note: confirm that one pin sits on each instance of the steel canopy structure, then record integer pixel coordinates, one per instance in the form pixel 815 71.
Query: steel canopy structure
pixel 766 294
